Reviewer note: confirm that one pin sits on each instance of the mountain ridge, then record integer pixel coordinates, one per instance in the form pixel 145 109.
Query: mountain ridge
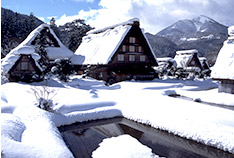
pixel 201 33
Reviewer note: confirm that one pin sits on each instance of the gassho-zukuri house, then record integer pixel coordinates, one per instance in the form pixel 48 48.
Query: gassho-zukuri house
pixel 21 63
pixel 188 59
pixel 223 69
pixel 119 52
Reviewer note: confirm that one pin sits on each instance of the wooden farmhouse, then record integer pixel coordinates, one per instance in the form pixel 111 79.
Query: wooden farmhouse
pixel 21 63
pixel 119 52
pixel 188 59
pixel 223 70
pixel 188 63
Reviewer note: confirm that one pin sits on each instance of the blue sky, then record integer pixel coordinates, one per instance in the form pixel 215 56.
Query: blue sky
pixel 49 8
pixel 154 15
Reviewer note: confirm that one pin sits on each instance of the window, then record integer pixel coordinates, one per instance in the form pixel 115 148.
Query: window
pixel 131 57
pixel 124 49
pixel 24 65
pixel 120 57
pixel 131 48
pixel 132 39
pixel 140 49
pixel 142 58
pixel 193 62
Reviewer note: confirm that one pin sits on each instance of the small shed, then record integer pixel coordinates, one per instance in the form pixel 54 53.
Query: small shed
pixel 223 70
pixel 118 52
pixel 21 63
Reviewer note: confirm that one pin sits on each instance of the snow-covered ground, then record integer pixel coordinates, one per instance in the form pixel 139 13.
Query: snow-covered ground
pixel 28 131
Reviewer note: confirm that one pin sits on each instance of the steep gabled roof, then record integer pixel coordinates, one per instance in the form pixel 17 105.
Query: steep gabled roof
pixel 27 47
pixel 99 46
pixel 204 62
pixel 224 65
pixel 54 52
pixel 9 61
pixel 184 57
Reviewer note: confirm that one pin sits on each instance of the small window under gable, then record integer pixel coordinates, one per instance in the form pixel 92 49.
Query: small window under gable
pixel 142 58
pixel 24 65
pixel 120 57
pixel 132 39
pixel 124 48
pixel 132 49
pixel 140 49
pixel 131 57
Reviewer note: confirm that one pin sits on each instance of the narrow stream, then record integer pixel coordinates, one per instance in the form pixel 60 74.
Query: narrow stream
pixel 83 138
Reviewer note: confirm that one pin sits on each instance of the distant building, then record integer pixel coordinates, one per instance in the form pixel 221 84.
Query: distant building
pixel 188 64
pixel 205 67
pixel 166 66
pixel 188 59
pixel 21 63
pixel 119 52
pixel 223 69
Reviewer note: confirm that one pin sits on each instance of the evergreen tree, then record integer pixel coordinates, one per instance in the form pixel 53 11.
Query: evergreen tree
pixel 41 43
pixel 63 69
pixel 54 27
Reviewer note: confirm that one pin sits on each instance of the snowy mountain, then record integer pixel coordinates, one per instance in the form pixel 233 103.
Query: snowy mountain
pixel 201 33
pixel 196 29
pixel 162 46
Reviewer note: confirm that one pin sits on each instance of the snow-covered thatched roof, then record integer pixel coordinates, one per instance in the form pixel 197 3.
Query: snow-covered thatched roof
pixel 224 65
pixel 100 45
pixel 53 52
pixel 203 61
pixel 184 57
pixel 27 48
pixel 15 54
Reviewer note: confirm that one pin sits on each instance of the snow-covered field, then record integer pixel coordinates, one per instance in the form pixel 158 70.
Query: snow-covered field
pixel 28 131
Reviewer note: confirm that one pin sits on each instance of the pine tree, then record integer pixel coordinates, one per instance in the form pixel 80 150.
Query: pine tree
pixel 63 69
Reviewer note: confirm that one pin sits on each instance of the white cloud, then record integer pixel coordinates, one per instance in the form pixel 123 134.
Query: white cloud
pixel 50 17
pixel 154 15
pixel 41 18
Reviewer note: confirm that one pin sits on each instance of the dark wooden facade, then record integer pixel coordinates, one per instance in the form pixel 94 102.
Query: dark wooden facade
pixel 25 69
pixel 132 60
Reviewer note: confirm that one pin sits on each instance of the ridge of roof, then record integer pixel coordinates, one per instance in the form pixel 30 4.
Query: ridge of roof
pixel 191 51
pixel 129 22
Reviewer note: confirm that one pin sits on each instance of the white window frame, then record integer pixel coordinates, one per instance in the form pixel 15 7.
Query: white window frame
pixel 120 57
pixel 132 48
pixel 142 58
pixel 132 39
pixel 132 57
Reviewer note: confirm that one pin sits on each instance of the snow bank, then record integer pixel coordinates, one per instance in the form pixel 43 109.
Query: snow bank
pixel 123 146
pixel 30 133
pixel 85 99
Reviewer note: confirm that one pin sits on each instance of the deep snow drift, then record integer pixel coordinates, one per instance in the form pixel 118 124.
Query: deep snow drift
pixel 26 129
